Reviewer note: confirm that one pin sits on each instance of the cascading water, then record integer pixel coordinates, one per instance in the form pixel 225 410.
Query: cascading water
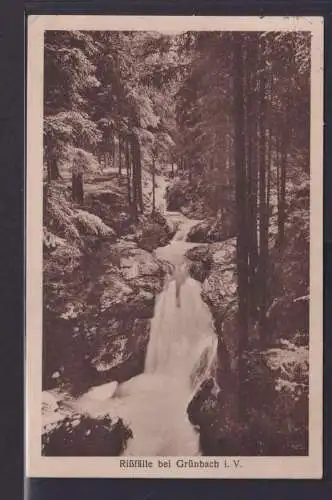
pixel 182 339
pixel 181 349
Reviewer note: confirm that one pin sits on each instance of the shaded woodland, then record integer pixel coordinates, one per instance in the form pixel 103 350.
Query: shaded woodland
pixel 224 118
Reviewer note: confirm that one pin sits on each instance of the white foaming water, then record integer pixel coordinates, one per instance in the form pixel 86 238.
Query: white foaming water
pixel 180 335
pixel 181 349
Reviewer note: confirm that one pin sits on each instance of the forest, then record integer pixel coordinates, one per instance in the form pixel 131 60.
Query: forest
pixel 219 124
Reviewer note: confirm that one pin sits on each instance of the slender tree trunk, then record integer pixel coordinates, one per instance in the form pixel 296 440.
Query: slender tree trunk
pixel 263 219
pixel 53 173
pixel 153 184
pixel 189 168
pixel 252 178
pixel 134 178
pixel 269 159
pixel 120 156
pixel 269 149
pixel 282 198
pixel 228 157
pixel 49 173
pixel 241 194
pixel 74 186
pixel 245 112
pixel 77 187
pixel 80 188
pixel 114 151
pixel 137 176
pixel 45 202
pixel 278 162
pixel 128 170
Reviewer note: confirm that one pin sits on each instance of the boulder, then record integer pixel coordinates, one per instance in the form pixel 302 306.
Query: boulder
pixel 68 433
pixel 220 288
pixel 224 254
pixel 177 195
pixel 212 229
pixel 121 354
pixel 200 258
pixel 198 271
pixel 141 269
pixel 115 294
pixel 201 253
pixel 97 328
pixel 112 207
pixel 168 224
pixel 151 236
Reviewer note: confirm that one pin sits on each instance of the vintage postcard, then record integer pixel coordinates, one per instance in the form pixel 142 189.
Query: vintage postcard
pixel 174 247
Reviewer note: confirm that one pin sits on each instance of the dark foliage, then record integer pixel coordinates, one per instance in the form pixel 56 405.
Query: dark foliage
pixel 225 117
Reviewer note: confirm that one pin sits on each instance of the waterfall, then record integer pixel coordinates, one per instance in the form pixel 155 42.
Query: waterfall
pixel 182 340
pixel 180 351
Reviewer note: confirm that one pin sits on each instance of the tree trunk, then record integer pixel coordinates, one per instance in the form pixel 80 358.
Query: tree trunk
pixel 278 162
pixel 269 158
pixel 263 215
pixel 99 156
pixel 120 156
pixel 53 173
pixel 269 150
pixel 45 202
pixel 181 166
pixel 49 173
pixel 252 179
pixel 77 187
pixel 188 167
pixel 153 184
pixel 137 177
pixel 128 170
pixel 113 151
pixel 229 158
pixel 282 198
pixel 134 179
pixel 241 194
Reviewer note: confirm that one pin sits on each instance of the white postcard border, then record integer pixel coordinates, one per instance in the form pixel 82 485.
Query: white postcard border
pixel 248 467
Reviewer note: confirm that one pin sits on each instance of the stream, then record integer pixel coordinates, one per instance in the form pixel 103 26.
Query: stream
pixel 181 348
pixel 180 351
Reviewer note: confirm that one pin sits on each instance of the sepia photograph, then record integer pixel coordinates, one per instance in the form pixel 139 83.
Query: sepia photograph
pixel 175 208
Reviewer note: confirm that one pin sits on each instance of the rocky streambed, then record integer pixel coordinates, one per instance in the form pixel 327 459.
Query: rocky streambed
pixel 102 333
pixel 276 376
pixel 98 333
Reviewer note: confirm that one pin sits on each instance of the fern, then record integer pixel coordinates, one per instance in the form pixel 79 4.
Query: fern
pixel 80 160
pixel 64 221
pixel 91 224
pixel 59 219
